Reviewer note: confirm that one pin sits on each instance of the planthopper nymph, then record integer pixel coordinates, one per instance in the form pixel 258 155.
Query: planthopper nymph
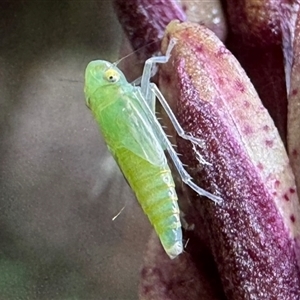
pixel 126 117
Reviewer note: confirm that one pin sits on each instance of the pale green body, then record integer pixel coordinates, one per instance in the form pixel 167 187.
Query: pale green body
pixel 138 151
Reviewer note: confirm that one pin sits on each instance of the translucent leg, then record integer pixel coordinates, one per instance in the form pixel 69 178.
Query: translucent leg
pixel 147 74
pixel 146 87
pixel 149 92
pixel 195 141
pixel 186 178
pixel 136 81
pixel 173 118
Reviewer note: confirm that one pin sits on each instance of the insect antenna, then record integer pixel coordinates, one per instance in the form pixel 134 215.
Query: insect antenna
pixel 69 80
pixel 126 56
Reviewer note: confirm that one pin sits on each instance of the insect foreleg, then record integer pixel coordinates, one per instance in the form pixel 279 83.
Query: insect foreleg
pixel 136 81
pixel 150 96
pixel 148 73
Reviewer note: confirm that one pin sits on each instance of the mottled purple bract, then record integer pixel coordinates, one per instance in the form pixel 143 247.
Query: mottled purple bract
pixel 251 236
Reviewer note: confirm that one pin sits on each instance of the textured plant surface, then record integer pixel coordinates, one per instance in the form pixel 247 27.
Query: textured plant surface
pixel 294 108
pixel 247 248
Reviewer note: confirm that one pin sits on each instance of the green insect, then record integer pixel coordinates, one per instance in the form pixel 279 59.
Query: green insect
pixel 126 116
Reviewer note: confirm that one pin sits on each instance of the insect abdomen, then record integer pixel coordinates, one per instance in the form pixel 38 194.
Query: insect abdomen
pixel 154 189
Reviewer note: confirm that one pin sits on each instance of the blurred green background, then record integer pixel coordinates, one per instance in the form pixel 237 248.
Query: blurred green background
pixel 59 187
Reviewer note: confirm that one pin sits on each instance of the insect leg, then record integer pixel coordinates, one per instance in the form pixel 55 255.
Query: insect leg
pixel 148 73
pixel 173 118
pixel 149 92
pixel 186 178
pixel 150 96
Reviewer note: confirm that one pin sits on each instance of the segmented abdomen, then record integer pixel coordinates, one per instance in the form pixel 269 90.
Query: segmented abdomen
pixel 155 190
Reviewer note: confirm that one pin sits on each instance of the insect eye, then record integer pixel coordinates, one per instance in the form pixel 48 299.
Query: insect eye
pixel 112 75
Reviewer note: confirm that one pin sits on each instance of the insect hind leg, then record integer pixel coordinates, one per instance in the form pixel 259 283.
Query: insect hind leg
pixel 186 178
pixel 166 144
pixel 173 118
pixel 149 92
